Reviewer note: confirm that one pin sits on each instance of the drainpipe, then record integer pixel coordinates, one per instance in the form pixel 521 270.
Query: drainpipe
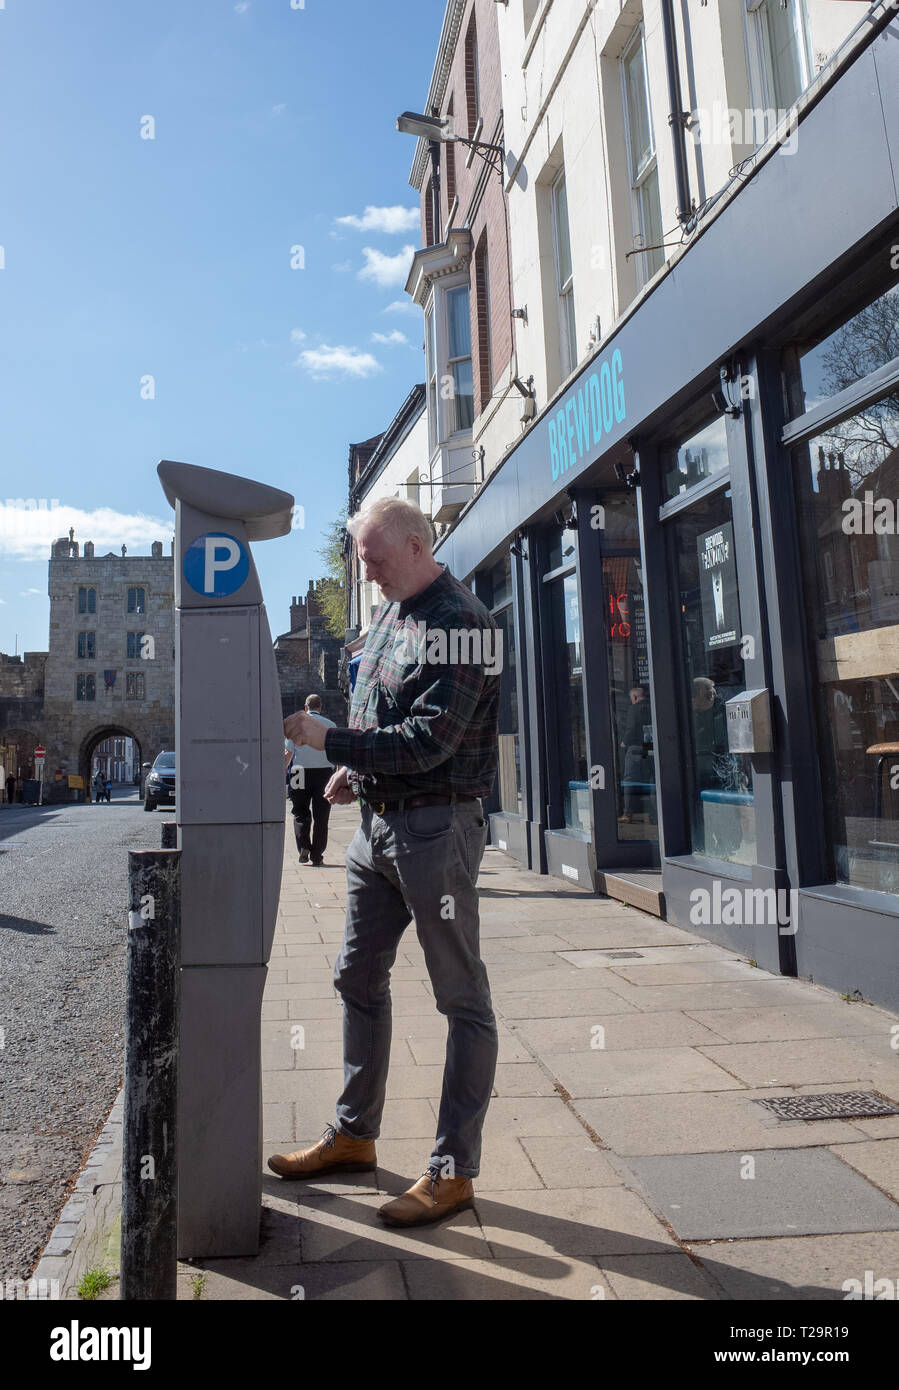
pixel 676 115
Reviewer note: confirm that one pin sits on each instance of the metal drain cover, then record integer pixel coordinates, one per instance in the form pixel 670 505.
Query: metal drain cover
pixel 840 1105
pixel 625 955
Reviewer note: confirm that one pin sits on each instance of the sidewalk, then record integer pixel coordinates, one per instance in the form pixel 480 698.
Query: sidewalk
pixel 625 1155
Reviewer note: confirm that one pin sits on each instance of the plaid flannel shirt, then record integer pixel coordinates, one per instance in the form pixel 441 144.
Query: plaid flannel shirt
pixel 419 726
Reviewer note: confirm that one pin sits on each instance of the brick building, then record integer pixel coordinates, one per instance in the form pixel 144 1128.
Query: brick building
pixel 461 276
pixel 308 659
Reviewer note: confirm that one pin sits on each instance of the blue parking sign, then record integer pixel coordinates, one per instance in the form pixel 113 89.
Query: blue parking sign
pixel 216 564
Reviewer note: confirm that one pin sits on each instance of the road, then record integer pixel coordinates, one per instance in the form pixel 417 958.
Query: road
pixel 63 922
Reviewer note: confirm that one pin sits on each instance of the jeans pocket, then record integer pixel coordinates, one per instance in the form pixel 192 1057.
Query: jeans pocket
pixel 428 822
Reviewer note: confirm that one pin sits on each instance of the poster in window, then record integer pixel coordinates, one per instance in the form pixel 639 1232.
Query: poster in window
pixel 718 588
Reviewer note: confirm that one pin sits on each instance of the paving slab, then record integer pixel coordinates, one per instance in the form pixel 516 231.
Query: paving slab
pixel 528 1116
pixel 878 1161
pixel 804 1269
pixel 775 1192
pixel 619 1031
pixel 812 1060
pixel 586 959
pixel 552 1003
pixel 246 1279
pixel 669 1276
pixel 348 1228
pixel 641 1071
pixel 522 1079
pixel 567 1163
pixel 529 1277
pixel 704 1123
pixel 773 1024
pixel 594 1221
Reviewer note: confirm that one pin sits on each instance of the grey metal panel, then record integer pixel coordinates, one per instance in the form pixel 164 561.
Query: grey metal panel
pixel 571 859
pixel 680 878
pixel 221 913
pixel 849 948
pixel 272 863
pixel 218 757
pixel 219 1158
pixel 798 215
pixel 885 53
pixel 509 835
pixel 271 726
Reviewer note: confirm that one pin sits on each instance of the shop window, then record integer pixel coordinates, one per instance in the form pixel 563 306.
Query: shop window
pixel 693 460
pixel 846 479
pixel 501 607
pixel 564 275
pixel 87 644
pixel 816 369
pixel 717 783
pixel 87 600
pixel 564 663
pixel 628 660
pixel 85 687
pixel 646 207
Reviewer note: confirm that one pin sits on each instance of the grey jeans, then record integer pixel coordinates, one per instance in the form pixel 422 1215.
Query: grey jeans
pixel 419 864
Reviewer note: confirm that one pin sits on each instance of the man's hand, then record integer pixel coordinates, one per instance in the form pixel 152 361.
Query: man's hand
pixel 338 790
pixel 302 728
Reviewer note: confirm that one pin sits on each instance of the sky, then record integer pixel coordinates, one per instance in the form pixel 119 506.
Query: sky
pixel 153 300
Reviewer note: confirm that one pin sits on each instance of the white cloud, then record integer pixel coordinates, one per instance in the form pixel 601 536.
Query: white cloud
pixel 279 109
pixel 386 270
pixel 26 533
pixel 342 266
pixel 324 361
pixel 242 6
pixel 401 306
pixel 26 593
pixel 390 220
pixel 297 335
pixel 394 336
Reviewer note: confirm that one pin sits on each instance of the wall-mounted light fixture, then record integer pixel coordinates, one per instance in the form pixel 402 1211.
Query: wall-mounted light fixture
pixel 442 130
pixel 721 396
pixel 521 314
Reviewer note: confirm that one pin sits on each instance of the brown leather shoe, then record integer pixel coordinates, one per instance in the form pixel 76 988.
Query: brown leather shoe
pixel 430 1199
pixel 334 1152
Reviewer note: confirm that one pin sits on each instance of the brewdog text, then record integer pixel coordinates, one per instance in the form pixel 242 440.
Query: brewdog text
pixel 586 415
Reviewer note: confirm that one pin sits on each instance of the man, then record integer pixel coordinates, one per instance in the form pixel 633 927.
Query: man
pixel 309 774
pixel 637 763
pixel 420 750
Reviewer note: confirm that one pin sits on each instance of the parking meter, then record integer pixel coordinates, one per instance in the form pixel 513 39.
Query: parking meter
pixel 229 802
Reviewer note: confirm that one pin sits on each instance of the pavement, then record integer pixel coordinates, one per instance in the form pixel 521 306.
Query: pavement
pixel 625 1155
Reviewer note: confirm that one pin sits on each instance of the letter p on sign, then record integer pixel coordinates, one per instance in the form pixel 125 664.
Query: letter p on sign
pixel 222 553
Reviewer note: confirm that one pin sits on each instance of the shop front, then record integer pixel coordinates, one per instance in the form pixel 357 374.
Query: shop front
pixel 693 555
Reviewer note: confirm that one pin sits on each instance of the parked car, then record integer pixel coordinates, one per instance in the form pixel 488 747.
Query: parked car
pixel 160 785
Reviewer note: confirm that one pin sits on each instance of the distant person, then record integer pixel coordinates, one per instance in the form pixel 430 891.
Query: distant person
pixel 10 787
pixel 99 787
pixel 308 773
pixel 633 744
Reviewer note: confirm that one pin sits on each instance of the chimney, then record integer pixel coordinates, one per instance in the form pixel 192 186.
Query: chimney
pixel 297 615
pixel 312 602
pixel 156 550
pixel 88 550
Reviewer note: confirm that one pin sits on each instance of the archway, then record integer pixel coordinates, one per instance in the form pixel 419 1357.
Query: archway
pixel 91 742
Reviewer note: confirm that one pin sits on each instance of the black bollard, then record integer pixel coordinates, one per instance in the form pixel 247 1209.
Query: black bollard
pixel 149 1172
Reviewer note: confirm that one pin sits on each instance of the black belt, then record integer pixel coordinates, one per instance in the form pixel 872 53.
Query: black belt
pixel 408 803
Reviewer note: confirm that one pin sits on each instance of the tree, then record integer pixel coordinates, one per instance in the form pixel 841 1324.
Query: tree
pixel 332 588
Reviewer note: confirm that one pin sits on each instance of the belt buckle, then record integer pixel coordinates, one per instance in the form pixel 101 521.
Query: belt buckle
pixel 378 807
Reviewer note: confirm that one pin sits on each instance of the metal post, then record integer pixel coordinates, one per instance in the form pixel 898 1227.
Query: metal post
pixel 149 1169
pixel 169 834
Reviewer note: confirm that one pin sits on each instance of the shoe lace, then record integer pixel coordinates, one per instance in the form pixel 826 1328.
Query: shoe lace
pixel 328 1136
pixel 434 1173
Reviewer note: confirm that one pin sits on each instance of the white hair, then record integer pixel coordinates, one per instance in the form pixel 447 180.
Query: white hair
pixel 396 517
